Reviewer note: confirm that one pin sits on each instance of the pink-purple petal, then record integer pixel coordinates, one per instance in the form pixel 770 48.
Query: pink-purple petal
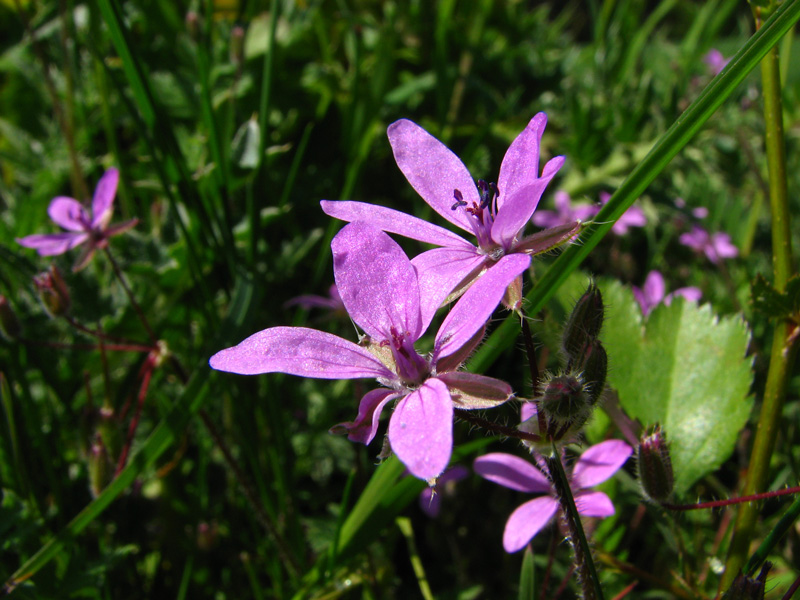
pixel 377 282
pixel 50 244
pixel 365 426
pixel 299 351
pixel 432 170
pixel 526 521
pixel 68 213
pixel 421 430
pixel 594 504
pixel 477 304
pixel 520 166
pixel 439 271
pixel 517 209
pixel 512 472
pixel 600 462
pixel 393 221
pixel 103 200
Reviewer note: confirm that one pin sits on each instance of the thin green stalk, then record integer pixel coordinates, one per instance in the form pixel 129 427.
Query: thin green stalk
pixel 404 524
pixel 584 564
pixel 783 347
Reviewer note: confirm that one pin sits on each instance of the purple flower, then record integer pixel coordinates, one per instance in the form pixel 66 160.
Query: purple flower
pixel 94 229
pixel 594 466
pixel 382 293
pixel 715 61
pixel 715 246
pixel 565 213
pixel 653 293
pixel 495 214
pixel 430 499
pixel 633 217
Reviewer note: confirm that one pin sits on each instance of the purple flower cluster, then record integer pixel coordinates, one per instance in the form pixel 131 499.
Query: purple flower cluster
pixel 566 213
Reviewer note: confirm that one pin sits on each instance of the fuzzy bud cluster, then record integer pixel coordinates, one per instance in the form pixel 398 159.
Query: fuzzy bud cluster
pixel 565 401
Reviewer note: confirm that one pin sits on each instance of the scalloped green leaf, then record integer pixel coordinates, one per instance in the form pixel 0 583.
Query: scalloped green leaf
pixel 682 367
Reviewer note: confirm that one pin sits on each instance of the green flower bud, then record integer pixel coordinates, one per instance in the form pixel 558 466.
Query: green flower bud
pixel 654 466
pixel 592 362
pixel 564 402
pixel 747 588
pixel 101 470
pixel 584 323
pixel 53 292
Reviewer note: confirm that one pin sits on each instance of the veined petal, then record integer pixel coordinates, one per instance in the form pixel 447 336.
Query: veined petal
pixel 433 170
pixel 377 282
pixel 600 462
pixel 520 166
pixel 68 213
pixel 477 304
pixel 594 504
pixel 473 391
pixel 512 472
pixel 528 520
pixel 50 244
pixel 421 430
pixel 439 271
pixel 299 351
pixel 365 426
pixel 517 208
pixel 393 221
pixel 103 200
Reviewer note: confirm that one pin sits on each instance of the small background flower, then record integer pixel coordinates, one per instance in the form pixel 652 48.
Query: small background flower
pixel 653 293
pixel 715 246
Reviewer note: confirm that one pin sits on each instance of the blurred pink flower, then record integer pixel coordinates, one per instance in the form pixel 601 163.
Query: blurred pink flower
pixel 564 213
pixel 715 61
pixel 333 302
pixel 594 466
pixel 82 227
pixel 633 217
pixel 715 246
pixel 653 293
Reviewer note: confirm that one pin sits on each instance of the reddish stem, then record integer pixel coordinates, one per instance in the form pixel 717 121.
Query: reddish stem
pixel 731 501
pixel 146 373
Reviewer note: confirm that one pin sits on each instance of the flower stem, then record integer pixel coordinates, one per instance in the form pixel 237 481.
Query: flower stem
pixel 783 343
pixel 129 293
pixel 587 574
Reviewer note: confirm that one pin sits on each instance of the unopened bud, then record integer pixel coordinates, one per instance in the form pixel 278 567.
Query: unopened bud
pixel 512 299
pixel 53 292
pixel 747 588
pixel 193 24
pixel 584 323
pixel 654 465
pixel 10 326
pixel 100 469
pixel 592 363
pixel 564 401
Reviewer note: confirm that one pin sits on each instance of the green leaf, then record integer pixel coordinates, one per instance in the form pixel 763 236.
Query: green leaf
pixel 684 368
pixel 775 304
pixel 246 144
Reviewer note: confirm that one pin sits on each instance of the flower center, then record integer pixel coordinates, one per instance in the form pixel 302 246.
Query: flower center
pixel 481 213
pixel 411 367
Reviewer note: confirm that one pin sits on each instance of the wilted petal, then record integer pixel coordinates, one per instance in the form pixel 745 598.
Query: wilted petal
pixel 421 430
pixel 377 282
pixel 432 170
pixel 512 472
pixel 600 462
pixel 594 504
pixel 50 244
pixel 528 520
pixel 477 304
pixel 393 221
pixel 439 271
pixel 472 391
pixel 520 166
pixel 365 426
pixel 518 208
pixel 68 213
pixel 103 200
pixel 299 351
